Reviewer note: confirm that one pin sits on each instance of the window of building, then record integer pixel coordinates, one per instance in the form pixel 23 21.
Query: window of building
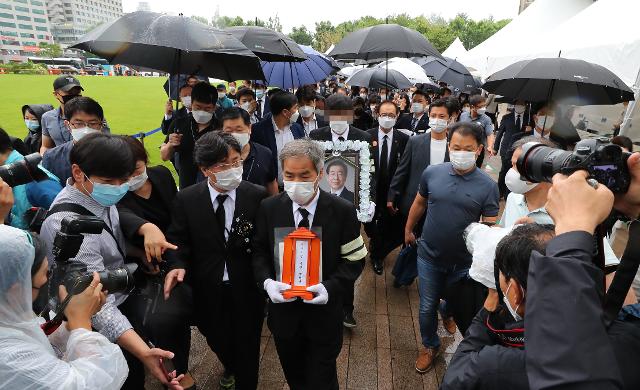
pixel 26 35
pixel 40 20
pixel 6 15
pixel 6 24
pixel 38 11
pixel 28 43
pixel 35 2
pixel 40 36
pixel 25 26
pixel 5 6
pixel 21 1
pixel 68 11
pixel 22 17
pixel 41 28
pixel 9 33
pixel 21 9
pixel 10 43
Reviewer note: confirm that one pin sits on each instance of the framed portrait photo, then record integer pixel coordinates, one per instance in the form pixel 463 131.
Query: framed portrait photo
pixel 347 173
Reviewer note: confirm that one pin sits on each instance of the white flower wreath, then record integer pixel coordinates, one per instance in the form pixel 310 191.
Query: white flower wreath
pixel 366 168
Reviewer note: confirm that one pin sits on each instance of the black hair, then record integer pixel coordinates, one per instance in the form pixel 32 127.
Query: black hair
pixel 445 89
pixel 183 86
pixel 213 148
pixel 537 107
pixel 221 86
pixel 104 155
pixel 82 104
pixel 338 102
pixel 357 100
pixel 442 103
pixel 320 98
pixel 407 101
pixel 235 113
pixel 374 98
pixel 424 93
pixel 245 92
pixel 138 150
pixel 476 99
pixel 388 102
pixel 623 141
pixel 453 103
pixel 273 91
pixel 281 101
pixel 339 163
pixel 5 141
pixel 306 93
pixel 40 252
pixel 204 93
pixel 514 250
pixel 520 143
pixel 468 129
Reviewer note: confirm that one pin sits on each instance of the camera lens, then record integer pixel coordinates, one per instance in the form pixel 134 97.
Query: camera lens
pixel 23 172
pixel 119 279
pixel 539 163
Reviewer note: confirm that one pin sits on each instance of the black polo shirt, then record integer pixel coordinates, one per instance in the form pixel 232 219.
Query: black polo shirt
pixel 258 166
pixel 188 170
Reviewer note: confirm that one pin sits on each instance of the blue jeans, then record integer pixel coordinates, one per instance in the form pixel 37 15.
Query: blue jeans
pixel 433 278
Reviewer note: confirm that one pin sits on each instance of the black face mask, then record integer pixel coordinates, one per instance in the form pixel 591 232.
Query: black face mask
pixel 66 98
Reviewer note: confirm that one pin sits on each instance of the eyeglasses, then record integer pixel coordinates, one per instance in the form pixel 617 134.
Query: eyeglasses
pixel 224 167
pixel 95 125
pixel 388 116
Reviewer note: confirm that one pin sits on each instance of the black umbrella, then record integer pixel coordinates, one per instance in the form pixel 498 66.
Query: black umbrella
pixel 566 81
pixel 448 70
pixel 175 82
pixel 173 44
pixel 379 78
pixel 267 44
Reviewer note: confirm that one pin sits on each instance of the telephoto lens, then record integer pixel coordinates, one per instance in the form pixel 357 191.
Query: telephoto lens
pixel 118 280
pixel 538 162
pixel 23 171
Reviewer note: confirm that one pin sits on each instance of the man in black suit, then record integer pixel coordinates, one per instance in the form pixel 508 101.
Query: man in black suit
pixel 512 124
pixel 339 111
pixel 308 118
pixel 185 99
pixel 337 173
pixel 212 225
pixel 388 147
pixel 308 334
pixel 416 121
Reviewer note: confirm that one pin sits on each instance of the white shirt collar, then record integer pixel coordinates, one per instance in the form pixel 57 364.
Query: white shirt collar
pixel 214 193
pixel 337 192
pixel 345 135
pixel 311 207
pixel 381 135
pixel 279 130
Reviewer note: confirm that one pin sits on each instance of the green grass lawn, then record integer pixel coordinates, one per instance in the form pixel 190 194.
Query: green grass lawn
pixel 131 104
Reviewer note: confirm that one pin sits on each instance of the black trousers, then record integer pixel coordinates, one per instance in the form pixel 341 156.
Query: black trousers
pixel 233 330
pixel 464 299
pixel 385 233
pixel 506 165
pixel 309 364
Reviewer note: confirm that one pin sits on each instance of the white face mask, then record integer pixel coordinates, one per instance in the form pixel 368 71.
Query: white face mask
pixel 462 160
pixel 466 109
pixel 517 185
pixel 202 117
pixel 438 125
pixel 417 108
pixel 300 192
pixel 519 108
pixel 339 127
pixel 319 112
pixel 294 117
pixel 228 180
pixel 78 134
pixel 363 95
pixel 545 122
pixel 186 101
pixel 246 106
pixel 387 122
pixel 136 182
pixel 242 138
pixel 482 110
pixel 513 311
pixel 306 111
pixel 221 95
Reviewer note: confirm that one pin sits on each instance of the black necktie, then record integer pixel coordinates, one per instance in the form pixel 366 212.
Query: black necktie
pixel 384 157
pixel 341 139
pixel 304 222
pixel 220 214
pixel 518 123
pixel 259 108
pixel 414 121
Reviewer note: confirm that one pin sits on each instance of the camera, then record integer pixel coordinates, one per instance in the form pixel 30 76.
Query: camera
pixel 604 161
pixel 74 276
pixel 23 171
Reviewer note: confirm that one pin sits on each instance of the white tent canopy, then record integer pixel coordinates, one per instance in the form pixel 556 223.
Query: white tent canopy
pixel 525 30
pixel 455 50
pixel 408 68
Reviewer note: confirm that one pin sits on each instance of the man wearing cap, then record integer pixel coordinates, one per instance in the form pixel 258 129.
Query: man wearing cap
pixel 54 131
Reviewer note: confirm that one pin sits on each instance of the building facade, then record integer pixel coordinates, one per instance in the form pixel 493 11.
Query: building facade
pixel 24 24
pixel 70 19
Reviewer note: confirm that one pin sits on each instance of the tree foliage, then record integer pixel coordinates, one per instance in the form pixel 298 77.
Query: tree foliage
pixel 301 36
pixel 49 50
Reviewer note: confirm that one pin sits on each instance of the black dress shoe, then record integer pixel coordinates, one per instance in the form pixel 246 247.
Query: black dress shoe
pixel 349 321
pixel 378 267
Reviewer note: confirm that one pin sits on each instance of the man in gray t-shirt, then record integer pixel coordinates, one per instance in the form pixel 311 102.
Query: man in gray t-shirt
pixel 453 195
pixel 478 106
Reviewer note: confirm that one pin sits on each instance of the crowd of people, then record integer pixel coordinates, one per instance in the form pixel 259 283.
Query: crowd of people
pixel 249 167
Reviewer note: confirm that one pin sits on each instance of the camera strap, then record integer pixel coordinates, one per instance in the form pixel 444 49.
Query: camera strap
pixel 77 209
pixel 624 276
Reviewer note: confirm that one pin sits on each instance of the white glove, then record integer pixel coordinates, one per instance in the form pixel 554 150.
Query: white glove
pixel 274 289
pixel 371 212
pixel 321 296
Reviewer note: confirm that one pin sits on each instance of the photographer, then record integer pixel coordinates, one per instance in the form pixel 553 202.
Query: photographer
pixel 101 165
pixel 27 357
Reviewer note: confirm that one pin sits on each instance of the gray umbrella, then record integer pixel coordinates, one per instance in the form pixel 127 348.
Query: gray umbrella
pixel 448 70
pixel 267 44
pixel 173 44
pixel 379 78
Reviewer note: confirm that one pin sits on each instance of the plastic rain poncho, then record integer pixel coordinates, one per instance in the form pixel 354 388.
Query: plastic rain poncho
pixel 28 358
pixel 482 241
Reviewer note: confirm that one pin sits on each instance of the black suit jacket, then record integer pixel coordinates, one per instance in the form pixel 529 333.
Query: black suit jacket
pixel 264 134
pixel 404 122
pixel 398 145
pixel 130 211
pixel 181 113
pixel 355 134
pixel 507 130
pixel 201 247
pixel 347 195
pixel 340 226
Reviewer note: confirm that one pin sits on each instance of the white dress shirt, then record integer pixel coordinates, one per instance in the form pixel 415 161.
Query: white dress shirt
pixel 381 135
pixel 337 192
pixel 229 208
pixel 311 125
pixel 334 136
pixel 311 208
pixel 283 137
pixel 438 151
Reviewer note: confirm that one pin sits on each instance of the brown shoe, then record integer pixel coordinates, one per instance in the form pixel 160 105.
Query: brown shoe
pixel 450 325
pixel 425 359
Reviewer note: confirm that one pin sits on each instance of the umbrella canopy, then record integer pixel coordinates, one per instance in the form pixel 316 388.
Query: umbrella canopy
pixel 294 74
pixel 383 41
pixel 408 68
pixel 448 70
pixel 175 82
pixel 267 44
pixel 379 78
pixel 173 44
pixel 350 70
pixel 566 81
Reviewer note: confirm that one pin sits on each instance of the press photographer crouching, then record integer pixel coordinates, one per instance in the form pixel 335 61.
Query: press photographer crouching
pixel 101 166
pixel 71 357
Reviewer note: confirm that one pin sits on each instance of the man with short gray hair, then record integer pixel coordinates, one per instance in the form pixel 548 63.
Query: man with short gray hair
pixel 308 333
